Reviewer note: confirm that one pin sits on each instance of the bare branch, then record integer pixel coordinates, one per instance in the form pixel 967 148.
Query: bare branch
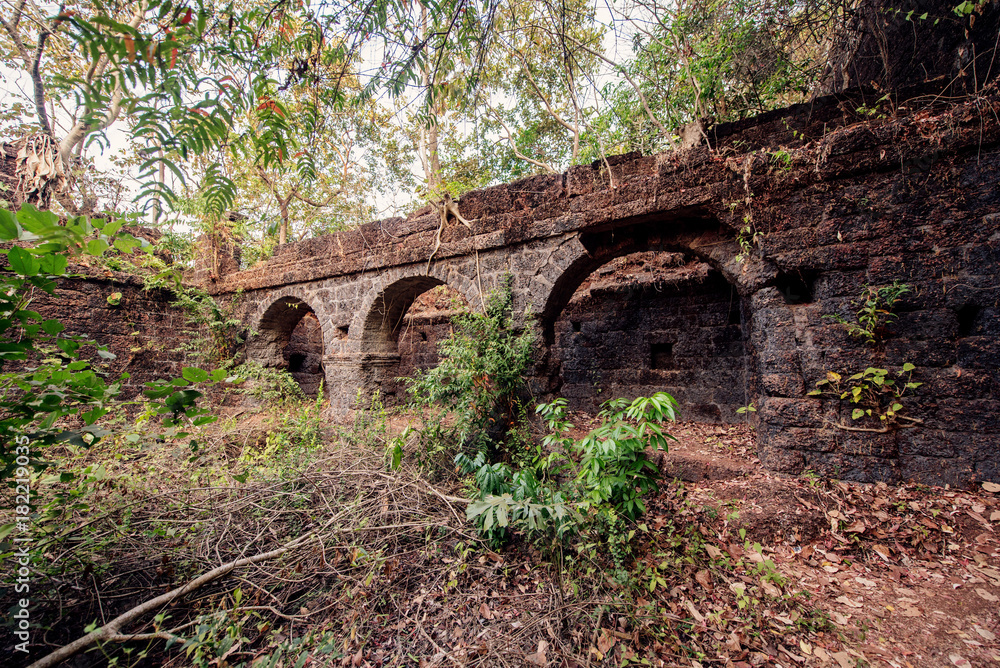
pixel 111 629
pixel 513 145
pixel 81 128
pixel 319 205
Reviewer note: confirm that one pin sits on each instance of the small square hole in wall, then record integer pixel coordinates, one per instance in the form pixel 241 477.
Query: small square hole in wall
pixel 967 316
pixel 795 288
pixel 576 325
pixel 423 336
pixel 661 356
pixel 295 362
pixel 342 331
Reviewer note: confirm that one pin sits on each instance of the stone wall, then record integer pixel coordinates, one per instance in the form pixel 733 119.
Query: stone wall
pixel 833 201
pixel 151 338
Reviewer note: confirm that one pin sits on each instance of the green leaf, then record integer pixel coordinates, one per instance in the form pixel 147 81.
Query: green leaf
pixel 22 262
pixel 857 414
pixel 908 367
pixel 52 327
pixel 9 229
pixel 194 374
pixel 53 264
pixel 35 221
pixel 124 245
pixel 97 247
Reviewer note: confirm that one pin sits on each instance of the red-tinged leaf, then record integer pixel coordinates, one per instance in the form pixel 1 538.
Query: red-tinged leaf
pixel 186 19
pixel 130 49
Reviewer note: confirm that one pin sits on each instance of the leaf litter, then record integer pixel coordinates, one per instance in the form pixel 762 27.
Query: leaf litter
pixel 736 567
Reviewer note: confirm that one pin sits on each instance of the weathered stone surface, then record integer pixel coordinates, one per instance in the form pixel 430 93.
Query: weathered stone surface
pixel 150 337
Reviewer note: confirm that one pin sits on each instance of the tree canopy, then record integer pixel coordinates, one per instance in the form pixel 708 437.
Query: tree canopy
pixel 310 115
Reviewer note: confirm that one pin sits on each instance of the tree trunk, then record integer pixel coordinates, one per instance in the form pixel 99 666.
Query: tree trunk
pixel 887 45
pixel 283 229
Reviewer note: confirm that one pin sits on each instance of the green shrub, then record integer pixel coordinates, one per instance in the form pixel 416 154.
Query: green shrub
pixel 271 386
pixel 611 477
pixel 473 397
pixel 614 469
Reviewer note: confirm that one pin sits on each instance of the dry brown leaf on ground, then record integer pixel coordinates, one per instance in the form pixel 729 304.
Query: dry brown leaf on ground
pixel 605 642
pixel 959 661
pixel 538 658
pixel 986 595
pixel 844 659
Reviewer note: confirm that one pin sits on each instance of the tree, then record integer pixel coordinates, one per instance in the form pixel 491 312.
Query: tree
pixel 539 82
pixel 38 45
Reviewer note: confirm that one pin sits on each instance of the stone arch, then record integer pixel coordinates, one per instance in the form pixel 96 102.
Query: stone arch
pixel 702 238
pixel 275 323
pixel 373 333
pixel 689 336
pixel 377 321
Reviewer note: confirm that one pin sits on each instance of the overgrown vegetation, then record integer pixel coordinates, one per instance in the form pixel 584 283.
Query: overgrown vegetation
pixel 871 322
pixel 49 375
pixel 475 397
pixel 267 538
pixel 548 489
pixel 874 392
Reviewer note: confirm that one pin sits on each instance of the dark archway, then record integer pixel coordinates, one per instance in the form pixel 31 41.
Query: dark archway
pixel 425 325
pixel 304 354
pixel 403 328
pixel 697 237
pixel 384 320
pixel 290 337
pixel 643 313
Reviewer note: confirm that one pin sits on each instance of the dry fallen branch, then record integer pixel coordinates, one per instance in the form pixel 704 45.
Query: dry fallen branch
pixel 110 631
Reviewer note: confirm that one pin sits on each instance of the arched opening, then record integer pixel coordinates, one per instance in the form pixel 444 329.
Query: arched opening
pixel 643 315
pixel 290 337
pixel 304 354
pixel 404 328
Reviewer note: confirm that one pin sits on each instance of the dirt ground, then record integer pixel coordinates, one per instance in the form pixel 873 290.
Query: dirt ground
pixel 909 576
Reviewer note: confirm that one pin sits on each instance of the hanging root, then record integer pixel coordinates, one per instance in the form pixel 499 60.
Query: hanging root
pixel 40 171
pixel 446 206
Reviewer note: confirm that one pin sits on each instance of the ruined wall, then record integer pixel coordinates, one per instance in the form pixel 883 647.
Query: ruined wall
pixel 833 201
pixel 825 202
pixel 425 325
pixel 150 337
